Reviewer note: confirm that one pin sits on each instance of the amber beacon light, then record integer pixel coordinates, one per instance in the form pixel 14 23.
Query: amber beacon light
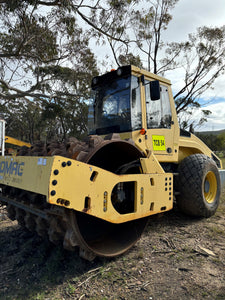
pixel 142 131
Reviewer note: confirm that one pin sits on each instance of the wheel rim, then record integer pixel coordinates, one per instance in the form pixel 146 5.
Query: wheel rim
pixel 210 187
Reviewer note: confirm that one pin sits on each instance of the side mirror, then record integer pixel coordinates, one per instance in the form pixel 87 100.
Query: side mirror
pixel 154 90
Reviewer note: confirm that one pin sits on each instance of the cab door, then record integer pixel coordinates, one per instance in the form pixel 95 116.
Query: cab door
pixel 160 125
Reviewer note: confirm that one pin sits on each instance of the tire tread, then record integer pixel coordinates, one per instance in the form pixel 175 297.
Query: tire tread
pixel 192 171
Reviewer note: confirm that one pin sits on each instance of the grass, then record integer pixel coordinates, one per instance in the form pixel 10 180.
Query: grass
pixel 71 289
pixel 215 230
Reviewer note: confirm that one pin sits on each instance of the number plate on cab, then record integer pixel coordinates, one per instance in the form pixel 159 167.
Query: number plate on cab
pixel 158 142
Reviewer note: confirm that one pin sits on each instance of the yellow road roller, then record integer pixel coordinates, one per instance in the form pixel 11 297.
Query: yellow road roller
pixel 97 194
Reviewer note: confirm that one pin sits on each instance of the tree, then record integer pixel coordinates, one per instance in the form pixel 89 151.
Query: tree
pixel 45 49
pixel 201 58
pixel 45 57
pixel 23 119
pixel 214 141
pixel 140 33
pixel 188 120
pixel 148 26
pixel 32 40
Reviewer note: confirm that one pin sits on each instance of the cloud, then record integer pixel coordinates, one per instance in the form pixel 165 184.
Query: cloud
pixel 217 91
pixel 191 14
pixel 216 120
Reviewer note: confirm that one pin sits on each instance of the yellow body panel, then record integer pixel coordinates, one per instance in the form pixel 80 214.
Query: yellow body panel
pixel 191 145
pixel 28 173
pixel 151 165
pixel 75 185
pixel 70 184
pixel 16 142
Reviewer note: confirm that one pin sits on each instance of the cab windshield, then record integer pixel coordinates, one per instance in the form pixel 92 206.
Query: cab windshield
pixel 115 106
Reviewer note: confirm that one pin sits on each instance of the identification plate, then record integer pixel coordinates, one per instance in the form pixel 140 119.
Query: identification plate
pixel 158 142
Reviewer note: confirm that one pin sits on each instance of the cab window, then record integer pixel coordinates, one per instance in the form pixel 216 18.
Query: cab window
pixel 136 115
pixel 158 111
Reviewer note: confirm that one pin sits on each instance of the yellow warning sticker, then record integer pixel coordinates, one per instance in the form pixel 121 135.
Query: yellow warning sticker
pixel 158 142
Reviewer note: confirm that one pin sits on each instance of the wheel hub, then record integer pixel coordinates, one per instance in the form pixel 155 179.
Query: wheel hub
pixel 210 187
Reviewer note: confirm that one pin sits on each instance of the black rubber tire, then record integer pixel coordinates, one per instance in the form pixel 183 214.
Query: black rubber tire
pixel 196 197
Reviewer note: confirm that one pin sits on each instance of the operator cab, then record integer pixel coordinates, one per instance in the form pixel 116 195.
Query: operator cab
pixel 116 103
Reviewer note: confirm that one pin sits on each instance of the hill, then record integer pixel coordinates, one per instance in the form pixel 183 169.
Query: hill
pixel 216 132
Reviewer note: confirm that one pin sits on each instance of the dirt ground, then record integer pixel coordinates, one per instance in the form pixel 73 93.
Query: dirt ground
pixel 177 258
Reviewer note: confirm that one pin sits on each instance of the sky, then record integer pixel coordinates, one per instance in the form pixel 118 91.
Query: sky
pixel 187 16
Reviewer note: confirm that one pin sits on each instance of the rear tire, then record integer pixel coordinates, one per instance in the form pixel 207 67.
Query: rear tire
pixel 198 185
